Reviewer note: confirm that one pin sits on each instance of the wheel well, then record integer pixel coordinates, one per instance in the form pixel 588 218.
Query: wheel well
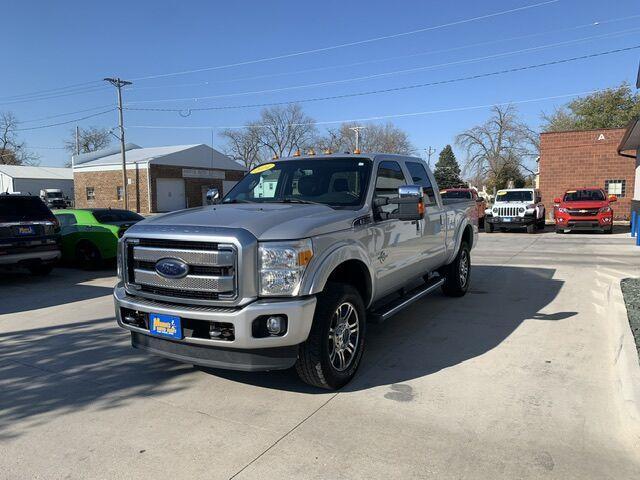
pixel 467 236
pixel 356 274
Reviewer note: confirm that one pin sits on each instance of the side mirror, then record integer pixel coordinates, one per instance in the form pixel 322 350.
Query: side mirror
pixel 613 198
pixel 213 195
pixel 557 200
pixel 410 201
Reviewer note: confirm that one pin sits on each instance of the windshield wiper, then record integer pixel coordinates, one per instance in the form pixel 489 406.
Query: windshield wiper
pixel 299 200
pixel 237 200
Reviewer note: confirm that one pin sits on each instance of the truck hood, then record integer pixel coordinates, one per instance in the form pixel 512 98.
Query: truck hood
pixel 585 204
pixel 266 221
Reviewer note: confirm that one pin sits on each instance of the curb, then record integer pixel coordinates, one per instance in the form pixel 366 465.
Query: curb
pixel 625 362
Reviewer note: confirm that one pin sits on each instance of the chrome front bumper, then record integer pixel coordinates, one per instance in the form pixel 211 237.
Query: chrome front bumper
pixel 299 312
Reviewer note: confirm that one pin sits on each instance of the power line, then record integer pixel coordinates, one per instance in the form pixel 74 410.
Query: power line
pixel 393 89
pixel 49 90
pixel 391 73
pixel 351 44
pixel 596 23
pixel 378 117
pixel 64 123
pixel 57 95
pixel 101 107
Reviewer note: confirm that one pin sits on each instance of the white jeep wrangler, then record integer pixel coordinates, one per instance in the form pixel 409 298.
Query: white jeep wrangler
pixel 516 208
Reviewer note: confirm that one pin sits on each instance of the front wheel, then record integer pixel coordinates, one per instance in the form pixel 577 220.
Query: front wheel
pixel 331 355
pixel 488 227
pixel 531 228
pixel 458 273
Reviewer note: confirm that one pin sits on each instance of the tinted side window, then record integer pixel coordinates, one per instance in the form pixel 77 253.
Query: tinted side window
pixel 389 178
pixel 66 219
pixel 419 177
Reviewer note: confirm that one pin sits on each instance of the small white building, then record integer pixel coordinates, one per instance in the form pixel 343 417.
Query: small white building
pixel 159 179
pixel 30 180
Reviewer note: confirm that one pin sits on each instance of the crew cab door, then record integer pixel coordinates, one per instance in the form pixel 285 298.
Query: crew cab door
pixel 393 254
pixel 434 224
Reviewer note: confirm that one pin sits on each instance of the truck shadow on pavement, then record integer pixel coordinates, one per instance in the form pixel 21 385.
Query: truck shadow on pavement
pixel 440 332
pixel 62 286
pixel 51 371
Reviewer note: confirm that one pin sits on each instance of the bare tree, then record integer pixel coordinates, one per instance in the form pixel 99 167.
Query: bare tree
pixel 90 139
pixel 373 138
pixel 12 150
pixel 283 130
pixel 244 145
pixel 502 144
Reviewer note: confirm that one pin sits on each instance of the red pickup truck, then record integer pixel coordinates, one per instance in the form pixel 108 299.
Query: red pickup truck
pixel 584 209
pixel 467 194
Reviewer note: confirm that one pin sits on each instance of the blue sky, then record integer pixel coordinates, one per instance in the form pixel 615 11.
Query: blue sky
pixel 55 44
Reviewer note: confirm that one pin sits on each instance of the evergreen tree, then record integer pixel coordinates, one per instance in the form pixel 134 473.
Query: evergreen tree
pixel 447 170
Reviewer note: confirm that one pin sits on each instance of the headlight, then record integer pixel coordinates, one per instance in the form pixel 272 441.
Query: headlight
pixel 606 209
pixel 495 210
pixel 281 266
pixel 562 210
pixel 521 210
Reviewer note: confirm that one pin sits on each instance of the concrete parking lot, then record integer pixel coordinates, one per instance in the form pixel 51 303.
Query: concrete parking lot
pixel 515 380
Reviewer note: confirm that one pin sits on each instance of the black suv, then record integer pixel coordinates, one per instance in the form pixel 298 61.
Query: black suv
pixel 29 234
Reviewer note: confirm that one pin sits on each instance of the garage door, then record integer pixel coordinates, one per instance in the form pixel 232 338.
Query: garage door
pixel 170 194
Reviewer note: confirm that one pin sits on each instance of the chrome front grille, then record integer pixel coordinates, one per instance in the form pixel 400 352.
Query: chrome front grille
pixel 583 212
pixel 211 275
pixel 507 212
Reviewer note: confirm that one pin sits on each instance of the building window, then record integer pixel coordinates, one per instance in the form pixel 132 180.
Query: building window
pixel 91 194
pixel 119 192
pixel 615 187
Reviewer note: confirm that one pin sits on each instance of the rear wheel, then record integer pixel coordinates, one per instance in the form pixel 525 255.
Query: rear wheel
pixel 331 355
pixel 458 273
pixel 88 256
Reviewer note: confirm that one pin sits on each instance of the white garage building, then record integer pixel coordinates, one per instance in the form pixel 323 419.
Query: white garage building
pixel 28 179
pixel 159 179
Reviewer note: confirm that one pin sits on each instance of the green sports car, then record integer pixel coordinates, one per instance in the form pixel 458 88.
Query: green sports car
pixel 90 236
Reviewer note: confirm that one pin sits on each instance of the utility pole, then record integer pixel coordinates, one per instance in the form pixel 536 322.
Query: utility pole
pixel 357 131
pixel 430 151
pixel 118 83
pixel 77 140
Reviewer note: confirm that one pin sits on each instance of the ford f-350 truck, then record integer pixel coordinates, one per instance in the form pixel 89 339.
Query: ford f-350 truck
pixel 287 268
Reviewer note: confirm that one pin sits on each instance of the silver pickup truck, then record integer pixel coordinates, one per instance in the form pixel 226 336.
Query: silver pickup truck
pixel 289 266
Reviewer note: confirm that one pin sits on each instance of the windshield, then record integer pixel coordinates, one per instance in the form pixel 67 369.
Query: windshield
pixel 584 196
pixel 464 194
pixel 54 194
pixel 340 182
pixel 17 209
pixel 112 216
pixel 514 196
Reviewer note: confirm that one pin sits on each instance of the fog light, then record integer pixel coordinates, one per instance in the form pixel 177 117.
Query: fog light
pixel 275 325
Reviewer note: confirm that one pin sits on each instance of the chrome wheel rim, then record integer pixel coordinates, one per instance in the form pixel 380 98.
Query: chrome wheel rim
pixel 464 268
pixel 344 333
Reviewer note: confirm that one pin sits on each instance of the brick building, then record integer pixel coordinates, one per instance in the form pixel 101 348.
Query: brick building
pixel 587 158
pixel 159 179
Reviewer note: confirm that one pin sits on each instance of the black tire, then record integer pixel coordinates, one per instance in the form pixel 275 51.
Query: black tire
pixel 40 269
pixel 457 277
pixel 481 223
pixel 488 227
pixel 88 256
pixel 531 228
pixel 559 230
pixel 609 230
pixel 316 365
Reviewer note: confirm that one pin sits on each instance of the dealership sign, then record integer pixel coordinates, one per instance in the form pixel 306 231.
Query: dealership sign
pixel 201 173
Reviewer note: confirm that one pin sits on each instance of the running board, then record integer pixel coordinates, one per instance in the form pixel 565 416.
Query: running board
pixel 385 312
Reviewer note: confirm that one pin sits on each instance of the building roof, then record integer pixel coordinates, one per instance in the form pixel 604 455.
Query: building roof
pixel 631 140
pixel 25 171
pixel 197 155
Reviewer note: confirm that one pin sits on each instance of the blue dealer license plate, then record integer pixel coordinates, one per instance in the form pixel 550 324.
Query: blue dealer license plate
pixel 506 219
pixel 165 326
pixel 26 230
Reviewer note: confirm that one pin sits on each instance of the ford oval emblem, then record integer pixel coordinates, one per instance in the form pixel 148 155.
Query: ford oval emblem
pixel 172 268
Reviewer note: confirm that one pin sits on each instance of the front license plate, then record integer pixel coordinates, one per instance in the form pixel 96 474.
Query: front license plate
pixel 506 219
pixel 26 230
pixel 165 326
